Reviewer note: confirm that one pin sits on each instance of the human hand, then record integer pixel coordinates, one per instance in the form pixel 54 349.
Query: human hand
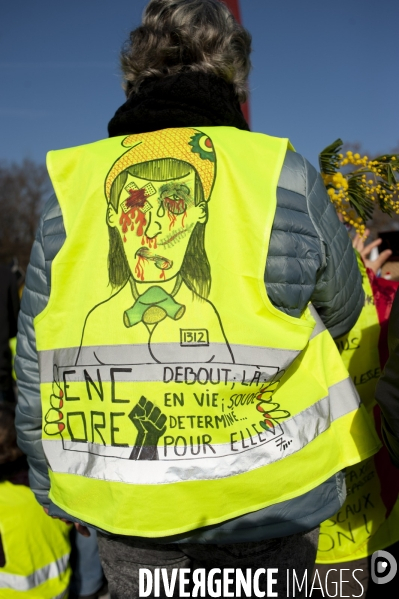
pixel 83 530
pixel 365 250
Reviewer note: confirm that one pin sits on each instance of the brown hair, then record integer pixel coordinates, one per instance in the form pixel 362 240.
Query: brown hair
pixel 187 35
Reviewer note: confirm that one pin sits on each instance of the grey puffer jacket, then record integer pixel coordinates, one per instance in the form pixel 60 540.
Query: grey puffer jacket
pixel 310 259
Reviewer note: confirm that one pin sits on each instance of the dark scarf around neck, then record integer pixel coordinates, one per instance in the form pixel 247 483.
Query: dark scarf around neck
pixel 183 100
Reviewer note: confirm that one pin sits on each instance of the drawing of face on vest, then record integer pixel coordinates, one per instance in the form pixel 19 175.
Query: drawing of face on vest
pixel 155 221
pixel 157 209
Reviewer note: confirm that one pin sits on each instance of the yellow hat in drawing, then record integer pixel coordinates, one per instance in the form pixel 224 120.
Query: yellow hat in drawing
pixel 185 144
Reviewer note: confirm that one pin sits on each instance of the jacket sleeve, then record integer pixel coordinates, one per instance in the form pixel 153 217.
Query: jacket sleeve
pixel 310 257
pixel 34 300
pixel 338 295
pixel 387 391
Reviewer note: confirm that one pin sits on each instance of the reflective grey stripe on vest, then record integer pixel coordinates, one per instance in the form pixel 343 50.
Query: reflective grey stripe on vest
pixel 276 359
pixel 271 360
pixel 27 583
pixel 319 326
pixel 204 461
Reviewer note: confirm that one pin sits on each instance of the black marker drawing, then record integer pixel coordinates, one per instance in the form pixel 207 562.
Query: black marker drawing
pixel 157 210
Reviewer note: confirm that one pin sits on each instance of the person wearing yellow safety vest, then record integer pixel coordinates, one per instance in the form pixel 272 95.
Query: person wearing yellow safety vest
pixel 190 415
pixel 368 521
pixel 34 549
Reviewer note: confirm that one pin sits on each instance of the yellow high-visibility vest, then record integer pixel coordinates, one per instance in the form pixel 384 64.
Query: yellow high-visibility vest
pixel 174 394
pixel 36 548
pixel 363 524
pixel 13 348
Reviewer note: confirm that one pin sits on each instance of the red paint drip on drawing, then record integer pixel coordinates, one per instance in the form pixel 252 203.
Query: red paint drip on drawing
pixel 124 222
pixel 141 222
pixel 172 219
pixel 152 243
pixel 175 206
pixel 139 270
pixel 132 218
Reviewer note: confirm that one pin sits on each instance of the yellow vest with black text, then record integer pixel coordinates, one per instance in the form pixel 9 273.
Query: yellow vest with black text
pixel 174 394
pixel 364 524
pixel 36 548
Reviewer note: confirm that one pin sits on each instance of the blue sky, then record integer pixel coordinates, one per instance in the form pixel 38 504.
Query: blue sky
pixel 321 70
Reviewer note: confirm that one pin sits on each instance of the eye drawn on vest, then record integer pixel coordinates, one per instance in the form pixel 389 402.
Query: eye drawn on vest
pixel 157 195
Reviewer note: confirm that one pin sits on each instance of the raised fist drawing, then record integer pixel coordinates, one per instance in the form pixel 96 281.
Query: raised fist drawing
pixel 150 424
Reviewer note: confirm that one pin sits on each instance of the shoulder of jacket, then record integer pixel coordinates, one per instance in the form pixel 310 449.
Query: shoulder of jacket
pixel 297 174
pixel 51 209
pixel 52 227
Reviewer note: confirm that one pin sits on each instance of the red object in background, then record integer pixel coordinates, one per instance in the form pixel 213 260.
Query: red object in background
pixel 234 7
pixel 384 293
